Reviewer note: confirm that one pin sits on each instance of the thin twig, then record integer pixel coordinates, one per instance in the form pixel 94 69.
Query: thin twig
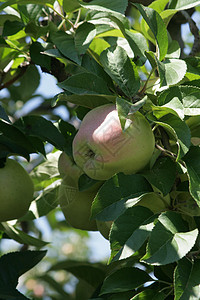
pixel 14 79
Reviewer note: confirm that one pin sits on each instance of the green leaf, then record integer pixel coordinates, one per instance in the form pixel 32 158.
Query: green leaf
pixel 171 71
pixel 149 294
pixel 70 5
pixel 11 2
pixel 11 294
pixel 170 240
pixel 123 280
pixel 17 136
pixel 187 280
pixel 188 98
pixel 24 90
pixel 179 130
pixel 37 57
pixel 192 160
pixel 3 114
pixel 44 203
pixel 119 67
pixel 162 175
pixel 193 68
pixel 92 273
pixel 157 26
pixel 46 172
pixel 66 45
pixel 84 36
pixel 126 108
pixel 40 127
pixel 13 265
pixel 12 27
pixel 104 5
pixel 174 50
pixel 21 237
pixel 85 83
pixel 183 4
pixel 137 43
pixel 31 12
pixel 112 198
pixel 9 147
pixel 129 231
pixel 88 100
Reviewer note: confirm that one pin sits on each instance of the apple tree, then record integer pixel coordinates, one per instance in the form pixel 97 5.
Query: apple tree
pixel 136 56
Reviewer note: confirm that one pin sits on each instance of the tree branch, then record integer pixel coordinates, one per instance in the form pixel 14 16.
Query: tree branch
pixel 195 31
pixel 15 78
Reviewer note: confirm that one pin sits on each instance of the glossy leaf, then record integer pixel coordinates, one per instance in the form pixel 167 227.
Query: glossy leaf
pixel 186 98
pixel 88 100
pixel 85 83
pixel 157 27
pixel 170 240
pixel 183 4
pixel 66 45
pixel 129 231
pixel 92 273
pixel 84 36
pixel 162 175
pixel 12 266
pixel 112 198
pixel 119 67
pixel 178 129
pixel 12 27
pixel 3 115
pixel 123 280
pixel 71 5
pixel 42 128
pixel 104 5
pixel 192 160
pixel 22 237
pixel 186 280
pixel 171 71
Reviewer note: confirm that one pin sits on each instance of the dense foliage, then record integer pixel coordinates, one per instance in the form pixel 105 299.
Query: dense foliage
pixel 103 52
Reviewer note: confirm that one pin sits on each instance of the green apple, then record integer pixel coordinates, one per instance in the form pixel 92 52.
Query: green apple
pixel 16 191
pixel 68 170
pixel 101 148
pixel 75 204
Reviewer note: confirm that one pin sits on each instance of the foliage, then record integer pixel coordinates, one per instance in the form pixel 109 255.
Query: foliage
pixel 100 52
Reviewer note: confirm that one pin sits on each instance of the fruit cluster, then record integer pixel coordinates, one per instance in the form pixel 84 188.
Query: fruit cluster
pixel 100 150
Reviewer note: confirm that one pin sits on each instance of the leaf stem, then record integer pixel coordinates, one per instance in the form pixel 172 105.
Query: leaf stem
pixel 145 85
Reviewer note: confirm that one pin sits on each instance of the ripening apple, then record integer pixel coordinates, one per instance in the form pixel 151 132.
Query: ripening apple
pixel 75 204
pixel 101 148
pixel 16 191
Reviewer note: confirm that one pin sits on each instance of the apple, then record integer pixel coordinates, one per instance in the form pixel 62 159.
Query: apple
pixel 16 191
pixel 75 204
pixel 68 170
pixel 101 148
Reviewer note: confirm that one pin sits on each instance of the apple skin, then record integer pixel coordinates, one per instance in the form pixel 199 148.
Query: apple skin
pixel 75 204
pixel 101 148
pixel 16 191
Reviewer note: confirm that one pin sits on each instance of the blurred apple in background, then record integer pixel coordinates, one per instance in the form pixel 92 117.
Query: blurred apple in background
pixel 75 204
pixel 101 148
